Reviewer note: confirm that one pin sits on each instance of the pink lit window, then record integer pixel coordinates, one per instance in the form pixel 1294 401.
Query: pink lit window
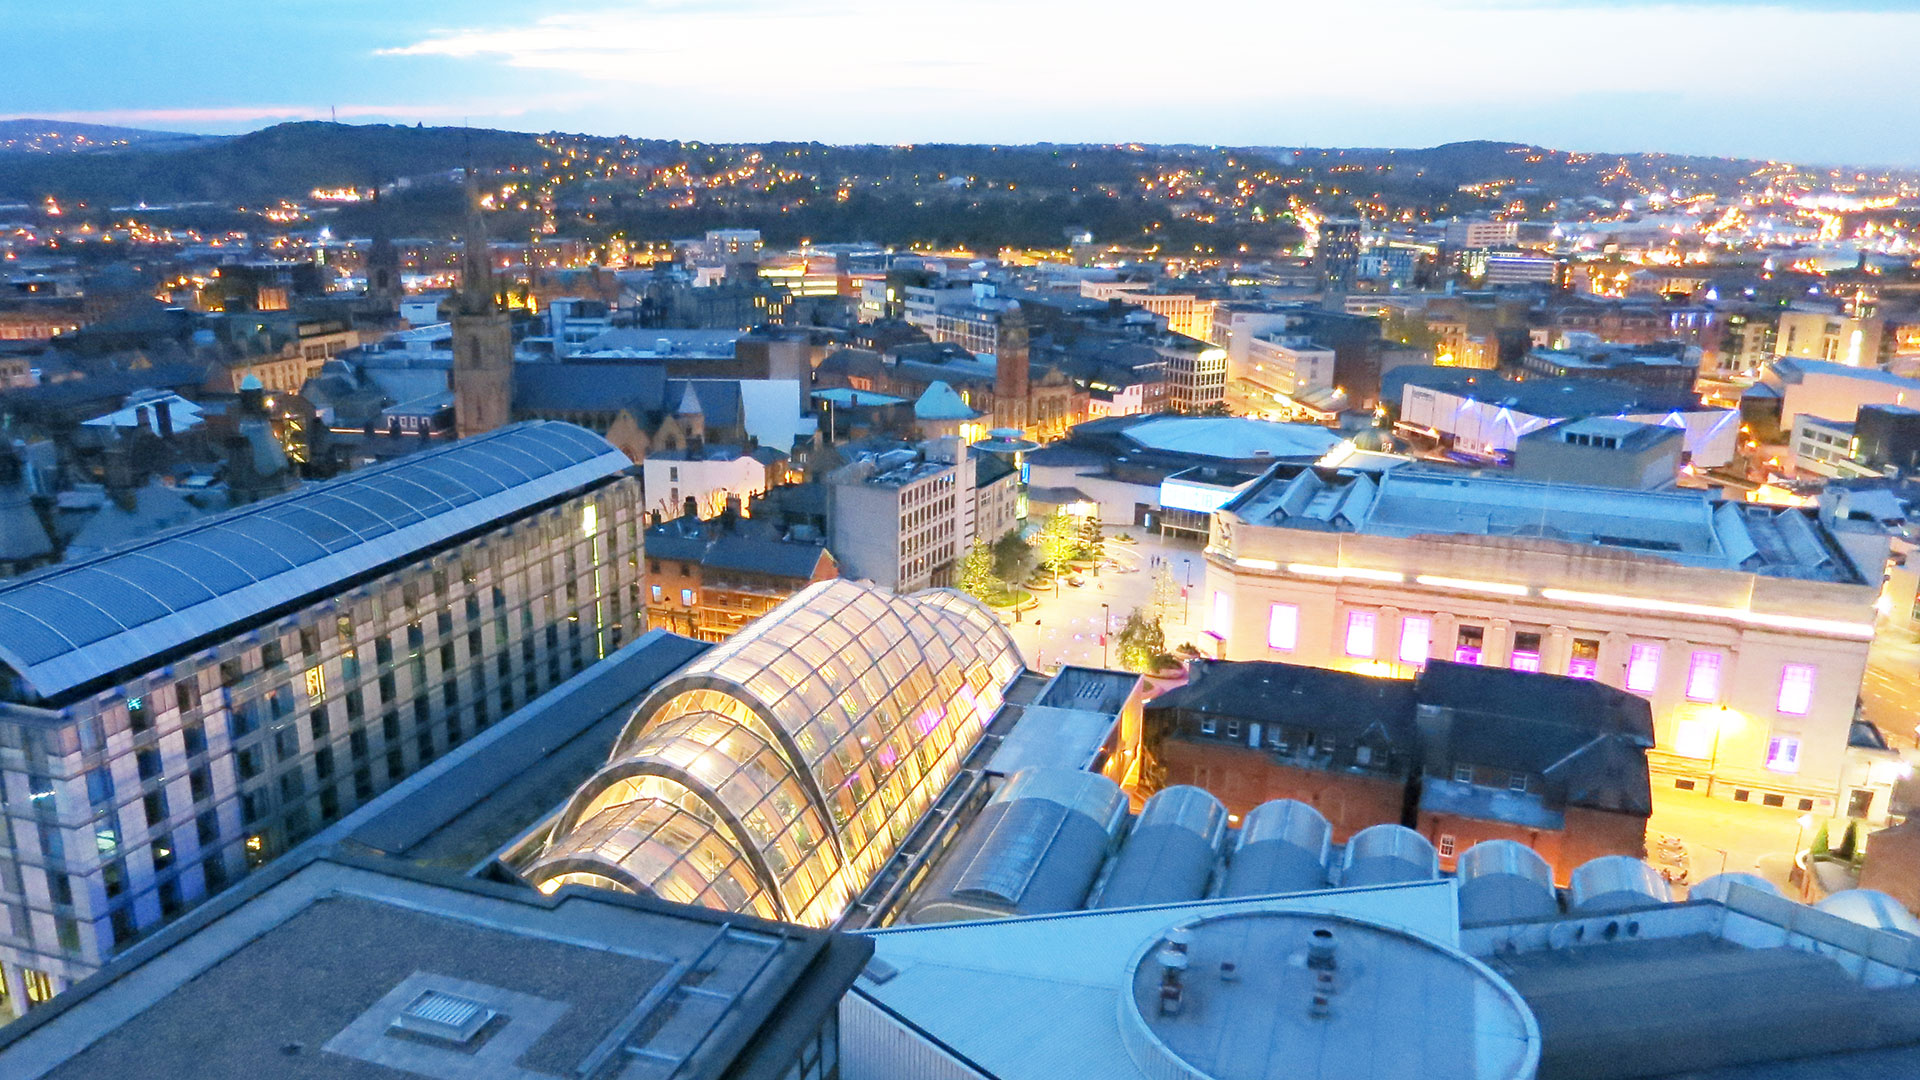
pixel 1783 754
pixel 1360 633
pixel 1283 627
pixel 1796 689
pixel 1703 676
pixel 1467 646
pixel 1220 614
pixel 1643 668
pixel 1416 639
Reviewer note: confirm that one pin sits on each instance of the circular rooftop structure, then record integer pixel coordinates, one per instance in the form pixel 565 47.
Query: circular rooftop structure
pixel 1234 438
pixel 1273 995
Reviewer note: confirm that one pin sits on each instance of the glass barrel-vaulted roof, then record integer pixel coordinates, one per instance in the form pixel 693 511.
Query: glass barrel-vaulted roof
pixel 810 741
pixel 69 625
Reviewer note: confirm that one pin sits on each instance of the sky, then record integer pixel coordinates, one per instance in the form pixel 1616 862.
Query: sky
pixel 1815 81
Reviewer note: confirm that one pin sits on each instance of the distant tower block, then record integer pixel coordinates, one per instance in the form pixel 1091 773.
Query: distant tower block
pixel 482 335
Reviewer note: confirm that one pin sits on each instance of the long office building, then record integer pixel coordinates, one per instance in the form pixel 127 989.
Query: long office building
pixel 177 711
pixel 778 771
pixel 1746 627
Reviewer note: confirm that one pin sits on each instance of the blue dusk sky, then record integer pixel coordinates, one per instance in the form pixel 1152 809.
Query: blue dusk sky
pixel 1811 81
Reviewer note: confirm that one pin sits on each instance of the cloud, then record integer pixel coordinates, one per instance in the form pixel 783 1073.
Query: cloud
pixel 233 115
pixel 1225 55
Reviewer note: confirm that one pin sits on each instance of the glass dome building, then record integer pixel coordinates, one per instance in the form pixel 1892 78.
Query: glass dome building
pixel 777 772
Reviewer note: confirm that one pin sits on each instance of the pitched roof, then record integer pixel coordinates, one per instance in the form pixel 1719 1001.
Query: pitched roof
pixel 1587 739
pixel 1338 703
pixel 580 387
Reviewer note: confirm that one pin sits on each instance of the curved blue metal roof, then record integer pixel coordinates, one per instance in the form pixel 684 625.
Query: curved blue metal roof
pixel 68 625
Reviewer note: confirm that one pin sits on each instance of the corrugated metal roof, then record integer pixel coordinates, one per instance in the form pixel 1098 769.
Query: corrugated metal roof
pixel 69 625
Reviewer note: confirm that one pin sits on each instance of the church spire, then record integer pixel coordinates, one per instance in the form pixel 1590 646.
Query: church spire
pixel 477 294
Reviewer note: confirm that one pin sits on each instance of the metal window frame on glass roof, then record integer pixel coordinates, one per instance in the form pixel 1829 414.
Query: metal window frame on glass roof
pixel 73 624
pixel 815 738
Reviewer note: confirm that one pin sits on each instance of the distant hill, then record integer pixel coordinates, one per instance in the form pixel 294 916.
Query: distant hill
pixel 285 160
pixel 30 136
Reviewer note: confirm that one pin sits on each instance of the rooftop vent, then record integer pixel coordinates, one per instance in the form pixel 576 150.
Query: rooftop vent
pixel 443 1017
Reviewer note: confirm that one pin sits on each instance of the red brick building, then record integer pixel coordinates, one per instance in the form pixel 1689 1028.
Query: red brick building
pixel 1253 731
pixel 1461 754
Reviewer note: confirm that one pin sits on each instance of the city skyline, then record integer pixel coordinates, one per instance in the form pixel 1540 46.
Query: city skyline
pixel 1629 77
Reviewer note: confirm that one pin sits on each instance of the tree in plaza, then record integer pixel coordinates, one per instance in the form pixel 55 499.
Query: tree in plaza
pixel 1013 559
pixel 1059 541
pixel 1166 594
pixel 1142 643
pixel 1093 541
pixel 976 573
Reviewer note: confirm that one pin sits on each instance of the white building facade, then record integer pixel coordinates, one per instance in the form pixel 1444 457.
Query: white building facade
pixel 1747 628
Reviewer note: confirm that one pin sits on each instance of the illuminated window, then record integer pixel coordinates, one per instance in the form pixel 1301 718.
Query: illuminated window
pixel 1220 614
pixel 686 597
pixel 1283 627
pixel 316 682
pixel 1526 652
pixel 1643 667
pixel 1703 676
pixel 1783 754
pixel 1468 644
pixel 1584 663
pixel 1447 843
pixel 657 594
pixel 1416 639
pixel 1360 633
pixel 1796 689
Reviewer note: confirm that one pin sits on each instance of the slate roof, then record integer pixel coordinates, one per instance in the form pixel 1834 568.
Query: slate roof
pixel 1340 704
pixel 1588 739
pixel 578 387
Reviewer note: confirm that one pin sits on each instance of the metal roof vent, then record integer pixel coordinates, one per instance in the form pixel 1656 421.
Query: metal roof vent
pixel 446 1017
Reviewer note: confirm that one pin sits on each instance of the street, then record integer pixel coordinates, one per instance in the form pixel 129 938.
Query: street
pixel 1065 629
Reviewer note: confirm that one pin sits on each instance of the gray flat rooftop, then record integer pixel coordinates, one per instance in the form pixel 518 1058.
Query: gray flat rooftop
pixel 1688 527
pixel 1682 1006
pixel 1094 689
pixel 302 978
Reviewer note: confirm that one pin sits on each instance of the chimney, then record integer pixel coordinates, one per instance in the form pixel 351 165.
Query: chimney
pixel 163 412
pixel 119 472
pixel 730 513
pixel 690 508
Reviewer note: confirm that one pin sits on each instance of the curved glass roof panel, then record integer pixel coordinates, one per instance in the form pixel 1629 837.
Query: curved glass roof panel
pixel 818 734
pixel 655 847
pixel 69 625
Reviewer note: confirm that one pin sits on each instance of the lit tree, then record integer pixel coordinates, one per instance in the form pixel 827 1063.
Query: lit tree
pixel 1059 542
pixel 1166 593
pixel 976 573
pixel 1142 642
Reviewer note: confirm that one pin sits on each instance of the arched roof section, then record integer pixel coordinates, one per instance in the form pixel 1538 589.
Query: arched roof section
pixel 656 847
pixel 819 733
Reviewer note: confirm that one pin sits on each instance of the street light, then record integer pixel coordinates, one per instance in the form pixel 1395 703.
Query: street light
pixel 1186 594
